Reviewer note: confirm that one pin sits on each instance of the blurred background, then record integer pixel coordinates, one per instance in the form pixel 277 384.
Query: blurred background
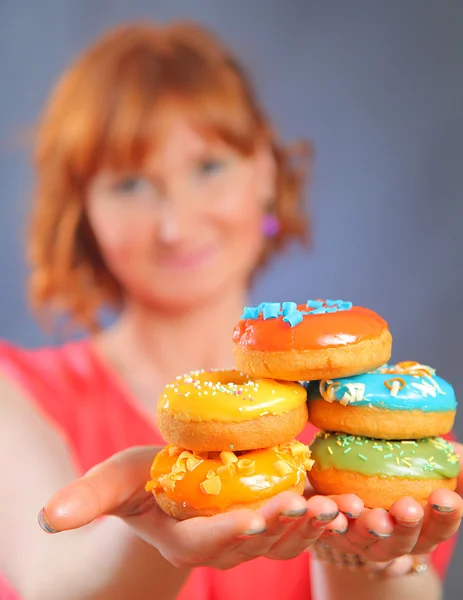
pixel 378 88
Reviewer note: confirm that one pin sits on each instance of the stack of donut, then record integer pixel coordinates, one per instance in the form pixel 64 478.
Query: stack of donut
pixel 379 423
pixel 389 447
pixel 231 433
pixel 230 443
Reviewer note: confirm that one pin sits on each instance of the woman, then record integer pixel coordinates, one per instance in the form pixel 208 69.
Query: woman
pixel 161 188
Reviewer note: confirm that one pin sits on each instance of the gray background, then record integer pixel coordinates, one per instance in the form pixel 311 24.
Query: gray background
pixel 377 86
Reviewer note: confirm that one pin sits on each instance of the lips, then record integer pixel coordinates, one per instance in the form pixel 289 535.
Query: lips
pixel 188 259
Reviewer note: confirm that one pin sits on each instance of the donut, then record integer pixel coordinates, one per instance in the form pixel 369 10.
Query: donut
pixel 402 401
pixel 194 484
pixel 225 409
pixel 321 339
pixel 381 472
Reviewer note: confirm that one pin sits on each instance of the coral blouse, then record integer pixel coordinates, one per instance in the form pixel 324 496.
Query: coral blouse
pixel 85 400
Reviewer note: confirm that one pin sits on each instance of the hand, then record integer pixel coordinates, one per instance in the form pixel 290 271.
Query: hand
pixel 281 529
pixel 407 529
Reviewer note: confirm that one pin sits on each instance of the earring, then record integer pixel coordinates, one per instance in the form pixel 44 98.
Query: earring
pixel 270 225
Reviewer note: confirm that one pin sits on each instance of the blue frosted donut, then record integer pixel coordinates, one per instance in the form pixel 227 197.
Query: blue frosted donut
pixel 403 401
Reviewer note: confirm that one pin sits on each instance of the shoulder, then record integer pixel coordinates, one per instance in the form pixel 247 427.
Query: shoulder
pixel 49 365
pixel 52 379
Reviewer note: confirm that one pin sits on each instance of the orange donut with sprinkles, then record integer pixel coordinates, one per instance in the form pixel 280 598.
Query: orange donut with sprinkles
pixel 322 339
pixel 227 410
pixel 192 484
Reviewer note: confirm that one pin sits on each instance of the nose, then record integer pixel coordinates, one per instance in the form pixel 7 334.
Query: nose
pixel 175 220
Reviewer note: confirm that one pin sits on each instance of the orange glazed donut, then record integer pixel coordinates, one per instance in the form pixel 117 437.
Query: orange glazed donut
pixel 225 409
pixel 194 484
pixel 321 339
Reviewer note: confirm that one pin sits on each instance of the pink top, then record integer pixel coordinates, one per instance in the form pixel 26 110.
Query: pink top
pixel 87 403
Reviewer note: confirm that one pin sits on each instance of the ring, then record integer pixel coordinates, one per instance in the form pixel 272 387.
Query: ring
pixel 419 566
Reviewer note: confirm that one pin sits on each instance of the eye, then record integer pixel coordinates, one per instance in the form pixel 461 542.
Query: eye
pixel 131 184
pixel 211 166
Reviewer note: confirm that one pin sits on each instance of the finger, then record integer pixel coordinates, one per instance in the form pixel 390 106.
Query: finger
pixel 349 504
pixel 459 450
pixel 368 531
pixel 321 513
pixel 351 507
pixel 443 515
pixel 115 486
pixel 408 518
pixel 281 513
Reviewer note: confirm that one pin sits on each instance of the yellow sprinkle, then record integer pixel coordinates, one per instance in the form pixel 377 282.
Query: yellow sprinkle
pixel 329 450
pixel 246 466
pixel 282 468
pixel 397 460
pixel 407 462
pixel 211 486
pixel 338 443
pixel 431 458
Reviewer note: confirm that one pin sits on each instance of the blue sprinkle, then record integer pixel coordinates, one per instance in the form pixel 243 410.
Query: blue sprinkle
pixel 288 307
pixel 345 305
pixel 331 309
pixel 270 310
pixel 250 312
pixel 318 311
pixel 331 302
pixel 314 303
pixel 293 318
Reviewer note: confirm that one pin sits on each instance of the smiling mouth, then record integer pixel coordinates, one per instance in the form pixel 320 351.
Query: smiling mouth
pixel 188 260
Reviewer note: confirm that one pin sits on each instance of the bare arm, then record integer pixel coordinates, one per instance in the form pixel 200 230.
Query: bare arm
pixel 103 560
pixel 331 583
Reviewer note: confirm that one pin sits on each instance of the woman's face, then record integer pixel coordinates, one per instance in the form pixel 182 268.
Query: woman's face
pixel 189 226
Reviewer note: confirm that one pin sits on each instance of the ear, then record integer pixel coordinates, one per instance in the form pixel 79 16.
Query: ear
pixel 266 172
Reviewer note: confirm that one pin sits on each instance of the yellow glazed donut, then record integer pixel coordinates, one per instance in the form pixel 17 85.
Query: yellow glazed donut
pixel 193 484
pixel 227 410
pixel 321 339
pixel 381 472
pixel 402 401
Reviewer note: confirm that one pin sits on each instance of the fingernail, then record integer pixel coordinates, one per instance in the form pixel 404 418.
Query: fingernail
pixel 324 519
pixel 380 536
pixel 250 533
pixel 443 509
pixel 292 515
pixel 408 523
pixel 327 516
pixel 43 522
pixel 337 531
pixel 351 516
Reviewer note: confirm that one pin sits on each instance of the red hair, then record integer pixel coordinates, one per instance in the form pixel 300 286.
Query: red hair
pixel 105 111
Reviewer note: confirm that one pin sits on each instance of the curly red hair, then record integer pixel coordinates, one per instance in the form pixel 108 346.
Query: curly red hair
pixel 107 111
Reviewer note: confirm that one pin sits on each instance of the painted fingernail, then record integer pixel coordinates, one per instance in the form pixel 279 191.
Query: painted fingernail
pixel 324 519
pixel 327 516
pixel 43 522
pixel 380 536
pixel 292 515
pixel 251 533
pixel 351 516
pixel 443 509
pixel 337 531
